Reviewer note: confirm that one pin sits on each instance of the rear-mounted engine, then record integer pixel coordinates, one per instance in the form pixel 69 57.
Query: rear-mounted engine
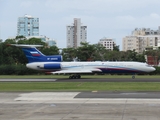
pixel 52 66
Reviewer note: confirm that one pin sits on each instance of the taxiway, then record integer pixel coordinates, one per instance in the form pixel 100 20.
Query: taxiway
pixel 80 106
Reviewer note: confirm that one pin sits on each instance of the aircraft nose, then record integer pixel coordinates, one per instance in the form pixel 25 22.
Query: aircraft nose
pixel 153 69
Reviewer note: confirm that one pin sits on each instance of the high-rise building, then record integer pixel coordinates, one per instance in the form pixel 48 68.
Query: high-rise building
pixel 76 33
pixel 28 26
pixel 108 43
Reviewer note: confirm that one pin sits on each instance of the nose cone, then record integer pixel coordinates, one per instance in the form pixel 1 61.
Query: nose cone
pixel 152 69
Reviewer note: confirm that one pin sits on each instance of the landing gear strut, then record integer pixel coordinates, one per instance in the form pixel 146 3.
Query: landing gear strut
pixel 75 76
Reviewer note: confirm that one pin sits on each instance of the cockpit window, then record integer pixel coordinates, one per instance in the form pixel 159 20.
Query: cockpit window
pixel 148 65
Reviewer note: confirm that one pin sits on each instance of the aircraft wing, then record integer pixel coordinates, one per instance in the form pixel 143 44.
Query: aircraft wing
pixel 77 71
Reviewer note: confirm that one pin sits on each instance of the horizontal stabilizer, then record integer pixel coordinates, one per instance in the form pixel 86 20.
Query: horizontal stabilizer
pixel 25 46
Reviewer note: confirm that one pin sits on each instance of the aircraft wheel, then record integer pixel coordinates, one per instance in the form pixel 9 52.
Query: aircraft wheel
pixel 71 77
pixel 79 76
pixel 74 77
pixel 133 77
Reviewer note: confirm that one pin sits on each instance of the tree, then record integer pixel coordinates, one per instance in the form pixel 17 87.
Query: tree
pixel 100 52
pixel 69 54
pixel 115 48
pixel 32 41
pixel 14 55
pixel 86 52
pixel 53 50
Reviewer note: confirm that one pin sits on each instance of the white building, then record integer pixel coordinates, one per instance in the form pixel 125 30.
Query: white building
pixel 142 39
pixel 108 43
pixel 28 26
pixel 76 34
pixel 139 43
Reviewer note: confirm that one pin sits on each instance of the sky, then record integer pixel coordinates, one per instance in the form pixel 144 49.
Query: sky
pixel 103 18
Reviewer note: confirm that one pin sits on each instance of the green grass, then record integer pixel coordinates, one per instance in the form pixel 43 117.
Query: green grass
pixel 78 86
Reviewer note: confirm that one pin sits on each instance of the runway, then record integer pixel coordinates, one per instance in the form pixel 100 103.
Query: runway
pixel 84 80
pixel 79 106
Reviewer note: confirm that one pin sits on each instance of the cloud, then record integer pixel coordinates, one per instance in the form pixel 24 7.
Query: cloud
pixel 125 18
pixel 155 16
pixel 26 4
pixel 97 6
pixel 110 18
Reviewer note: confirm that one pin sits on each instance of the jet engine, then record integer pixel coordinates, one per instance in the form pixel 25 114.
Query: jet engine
pixel 52 66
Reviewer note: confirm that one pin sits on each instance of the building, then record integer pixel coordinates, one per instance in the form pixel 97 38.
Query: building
pixel 141 39
pixel 28 26
pixel 152 60
pixel 145 31
pixel 76 33
pixel 140 43
pixel 107 43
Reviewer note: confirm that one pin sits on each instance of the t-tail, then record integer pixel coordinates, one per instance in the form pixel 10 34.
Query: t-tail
pixel 34 55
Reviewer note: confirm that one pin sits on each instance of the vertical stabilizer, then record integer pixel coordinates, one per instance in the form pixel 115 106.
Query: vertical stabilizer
pixel 34 55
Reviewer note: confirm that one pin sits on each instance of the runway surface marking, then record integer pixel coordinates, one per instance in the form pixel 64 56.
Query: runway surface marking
pixel 70 97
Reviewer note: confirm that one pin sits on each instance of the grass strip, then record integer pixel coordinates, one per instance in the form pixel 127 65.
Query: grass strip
pixel 78 86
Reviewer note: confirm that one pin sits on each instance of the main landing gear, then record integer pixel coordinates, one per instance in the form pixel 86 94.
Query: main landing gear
pixel 75 76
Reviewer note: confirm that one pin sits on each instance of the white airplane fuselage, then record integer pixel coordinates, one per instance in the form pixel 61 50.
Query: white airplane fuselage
pixel 83 67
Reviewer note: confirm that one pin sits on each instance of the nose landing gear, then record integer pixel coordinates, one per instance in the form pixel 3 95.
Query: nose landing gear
pixel 133 76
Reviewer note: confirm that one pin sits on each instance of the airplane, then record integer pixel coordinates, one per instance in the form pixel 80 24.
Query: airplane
pixel 54 64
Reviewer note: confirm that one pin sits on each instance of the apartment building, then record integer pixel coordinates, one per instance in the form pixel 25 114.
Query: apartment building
pixel 108 43
pixel 141 39
pixel 146 31
pixel 28 26
pixel 76 33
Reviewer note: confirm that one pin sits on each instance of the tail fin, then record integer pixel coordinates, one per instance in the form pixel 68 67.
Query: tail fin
pixel 34 55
